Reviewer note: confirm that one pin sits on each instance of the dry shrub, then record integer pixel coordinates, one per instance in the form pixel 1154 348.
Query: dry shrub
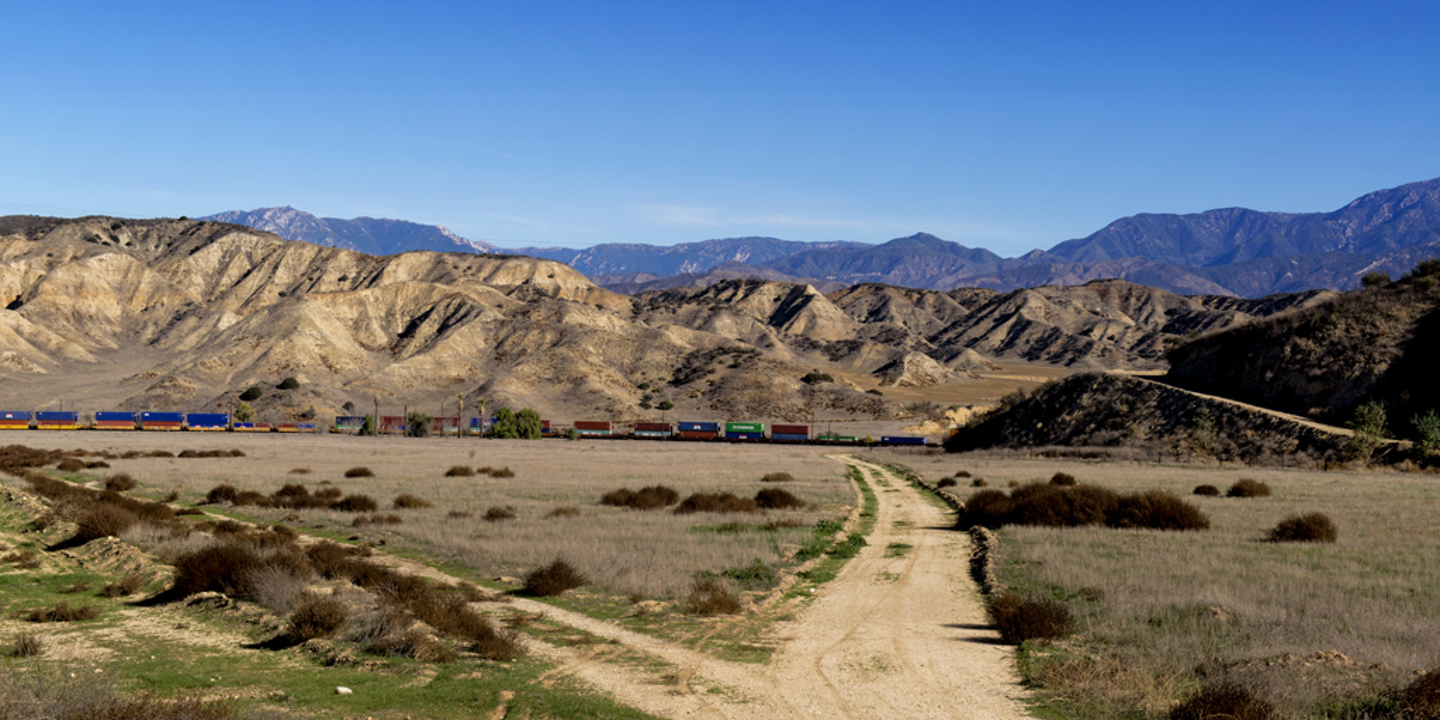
pixel 778 477
pixel 253 498
pixel 70 465
pixel 1020 618
pixel 653 497
pixel 1247 488
pixel 962 473
pixel 299 471
pixel 97 464
pixel 406 501
pixel 120 482
pixel 504 472
pixel 414 643
pixel 276 588
pixel 26 559
pixel 128 585
pixel 104 520
pixel 317 617
pixel 1224 700
pixel 1071 506
pixel 460 471
pixel 709 596
pixel 357 472
pixel 553 579
pixel 376 519
pixel 224 492
pixel 160 454
pixel 777 499
pixel 1421 698
pixel 1207 491
pixel 979 482
pixel 459 514
pixel 496 514
pixel 63 612
pixel 26 645
pixel 1157 510
pixel 1311 527
pixel 564 511
pixel 707 502
pixel 1062 479
pixel 78 587
pixel 946 482
pixel 221 568
pixel 356 503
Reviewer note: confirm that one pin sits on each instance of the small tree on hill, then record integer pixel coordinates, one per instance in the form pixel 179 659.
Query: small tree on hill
pixel 368 427
pixel 417 424
pixel 244 413
pixel 1427 432
pixel 252 393
pixel 1369 427
pixel 1377 278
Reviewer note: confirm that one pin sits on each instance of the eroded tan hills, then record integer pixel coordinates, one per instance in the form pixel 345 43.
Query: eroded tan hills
pixel 104 313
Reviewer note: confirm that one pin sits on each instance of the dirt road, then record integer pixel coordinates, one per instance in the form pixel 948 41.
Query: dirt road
pixel 900 633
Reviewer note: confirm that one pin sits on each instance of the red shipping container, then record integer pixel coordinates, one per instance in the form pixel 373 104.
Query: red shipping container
pixel 593 425
pixel 789 429
pixel 697 435
pixel 654 427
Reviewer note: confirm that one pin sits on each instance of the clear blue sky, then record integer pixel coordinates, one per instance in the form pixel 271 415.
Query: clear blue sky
pixel 1001 124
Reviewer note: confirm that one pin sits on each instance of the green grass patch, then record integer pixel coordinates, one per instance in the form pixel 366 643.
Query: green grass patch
pixel 898 550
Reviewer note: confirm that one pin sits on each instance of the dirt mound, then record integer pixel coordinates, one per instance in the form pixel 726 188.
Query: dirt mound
pixel 916 370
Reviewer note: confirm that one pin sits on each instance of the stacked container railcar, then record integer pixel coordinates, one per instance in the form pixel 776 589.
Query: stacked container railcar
pixel 14 420
pixel 57 420
pixel 833 439
pixel 115 421
pixel 252 427
pixel 790 433
pixel 744 431
pixel 595 428
pixel 692 430
pixel 167 421
pixel 208 422
pixel 392 425
pixel 477 426
pixel 444 425
pixel 901 440
pixel 349 424
pixel 654 430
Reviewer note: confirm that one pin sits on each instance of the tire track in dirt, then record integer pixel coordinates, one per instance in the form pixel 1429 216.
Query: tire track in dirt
pixel 894 635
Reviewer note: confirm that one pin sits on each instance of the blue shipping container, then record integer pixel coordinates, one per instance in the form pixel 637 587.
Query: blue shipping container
pixel 700 427
pixel 901 440
pixel 208 419
pixel 305 426
pixel 744 436
pixel 162 417
pixel 114 417
pixel 15 415
pixel 53 416
pixel 789 437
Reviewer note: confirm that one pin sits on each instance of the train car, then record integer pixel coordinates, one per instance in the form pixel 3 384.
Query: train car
pixel 14 420
pixel 347 424
pixel 252 427
pixel 299 427
pixel 208 422
pixel 692 430
pixel 595 428
pixel 444 426
pixel 790 433
pixel 744 431
pixel 654 430
pixel 392 425
pixel 901 440
pixel 163 421
pixel 476 426
pixel 57 420
pixel 546 428
pixel 116 421
pixel 833 439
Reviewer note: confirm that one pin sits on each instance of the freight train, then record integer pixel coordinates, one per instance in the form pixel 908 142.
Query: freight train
pixel 698 431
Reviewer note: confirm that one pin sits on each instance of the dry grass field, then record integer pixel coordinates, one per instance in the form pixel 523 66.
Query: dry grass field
pixel 1320 630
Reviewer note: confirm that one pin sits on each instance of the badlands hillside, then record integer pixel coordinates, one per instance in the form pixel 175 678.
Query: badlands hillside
pixel 105 313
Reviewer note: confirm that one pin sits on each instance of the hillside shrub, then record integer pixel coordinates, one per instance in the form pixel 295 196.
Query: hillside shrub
pixel 724 503
pixel 1063 479
pixel 251 393
pixel 359 472
pixel 104 520
pixel 120 482
pixel 709 596
pixel 63 612
pixel 1224 700
pixel 1311 527
pixel 777 499
pixel 317 617
pixel 224 567
pixel 289 383
pixel 814 377
pixel 356 503
pixel 553 579
pixel 26 645
pixel 1369 430
pixel 1207 491
pixel 70 465
pixel 497 514
pixel 1019 618
pixel 417 424
pixel 1427 433
pixel 128 585
pixel 1421 698
pixel 755 576
pixel 406 501
pixel 778 477
pixel 1247 488
pixel 224 492
pixel 460 471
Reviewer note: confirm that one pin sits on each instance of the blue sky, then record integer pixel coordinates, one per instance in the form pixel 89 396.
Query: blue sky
pixel 1006 125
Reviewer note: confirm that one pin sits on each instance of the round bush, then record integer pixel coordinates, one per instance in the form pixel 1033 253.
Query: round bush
pixel 1312 527
pixel 1247 488
pixel 1020 618
pixel 1062 479
pixel 709 596
pixel 318 617
pixel 356 503
pixel 777 499
pixel 252 393
pixel 120 482
pixel 1421 697
pixel 1207 491
pixel 1225 700
pixel 105 520
pixel 553 579
pixel 359 472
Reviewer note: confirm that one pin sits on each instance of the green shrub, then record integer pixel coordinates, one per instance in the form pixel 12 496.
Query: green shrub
pixel 755 576
pixel 553 579
pixel 1019 618
pixel 1375 278
pixel 1311 527
pixel 252 393
pixel 1427 433
pixel 417 424
pixel 289 383
pixel 813 377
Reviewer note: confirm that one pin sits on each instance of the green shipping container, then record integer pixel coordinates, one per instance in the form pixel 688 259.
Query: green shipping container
pixel 745 427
